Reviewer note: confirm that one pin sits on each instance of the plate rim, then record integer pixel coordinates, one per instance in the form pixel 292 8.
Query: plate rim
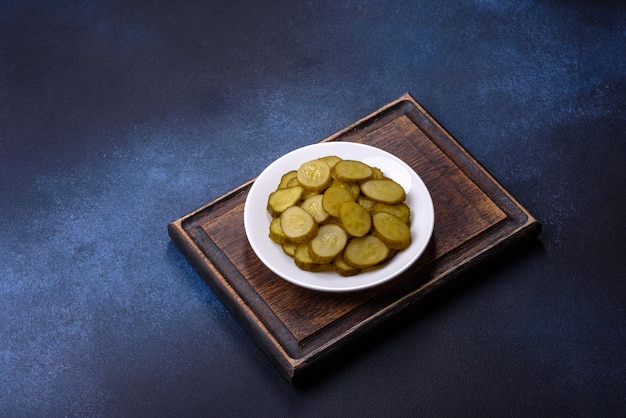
pixel 353 283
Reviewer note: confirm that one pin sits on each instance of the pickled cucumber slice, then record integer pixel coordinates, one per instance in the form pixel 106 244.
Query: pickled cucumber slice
pixel 276 232
pixel 331 160
pixel 293 182
pixel 365 252
pixel 383 190
pixel 289 248
pixel 307 193
pixel 298 224
pixel 343 268
pixel 302 259
pixel 354 188
pixel 352 171
pixel 334 197
pixel 393 231
pixel 377 173
pixel 281 199
pixel 367 203
pixel 330 241
pixel 286 178
pixel 313 205
pixel 314 175
pixel 355 219
pixel 401 210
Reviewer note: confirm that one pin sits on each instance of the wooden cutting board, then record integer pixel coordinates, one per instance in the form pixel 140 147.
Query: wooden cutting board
pixel 475 219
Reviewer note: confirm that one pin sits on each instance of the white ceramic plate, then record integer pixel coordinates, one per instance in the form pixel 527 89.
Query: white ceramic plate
pixel 257 219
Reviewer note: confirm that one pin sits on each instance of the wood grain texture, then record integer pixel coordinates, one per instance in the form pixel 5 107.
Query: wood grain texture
pixel 475 218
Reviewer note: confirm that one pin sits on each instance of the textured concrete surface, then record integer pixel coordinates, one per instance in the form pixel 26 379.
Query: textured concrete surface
pixel 117 117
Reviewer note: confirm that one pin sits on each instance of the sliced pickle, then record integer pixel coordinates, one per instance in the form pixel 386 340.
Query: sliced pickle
pixel 352 171
pixel 365 252
pixel 383 190
pixel 401 210
pixel 276 232
pixel 314 175
pixel 303 260
pixel 343 268
pixel 393 231
pixel 298 224
pixel 355 219
pixel 281 199
pixel 286 178
pixel 334 197
pixel 330 241
pixel 314 206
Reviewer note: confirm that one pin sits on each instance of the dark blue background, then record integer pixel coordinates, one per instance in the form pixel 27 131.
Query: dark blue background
pixel 118 117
